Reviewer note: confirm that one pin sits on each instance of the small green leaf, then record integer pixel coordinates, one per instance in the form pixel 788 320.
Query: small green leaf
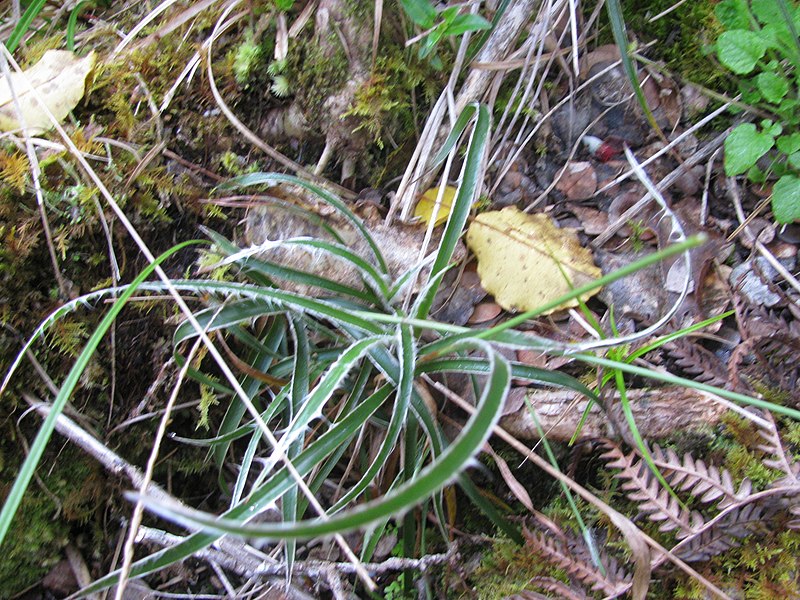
pixel 750 93
pixel 768 12
pixel 469 22
pixel 770 128
pixel 733 14
pixel 448 14
pixel 740 50
pixel 756 175
pixel 429 43
pixel 794 160
pixel 421 12
pixel 787 108
pixel 786 199
pixel 743 147
pixel 773 87
pixel 788 144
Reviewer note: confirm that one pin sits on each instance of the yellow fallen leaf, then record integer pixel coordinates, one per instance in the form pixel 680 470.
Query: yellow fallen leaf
pixel 58 78
pixel 424 208
pixel 525 261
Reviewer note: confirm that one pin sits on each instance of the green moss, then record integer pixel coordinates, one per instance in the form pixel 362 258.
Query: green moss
pixel 313 74
pixel 683 38
pixel 41 529
pixel 507 569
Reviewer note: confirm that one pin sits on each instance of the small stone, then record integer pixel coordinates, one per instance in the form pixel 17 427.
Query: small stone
pixel 578 182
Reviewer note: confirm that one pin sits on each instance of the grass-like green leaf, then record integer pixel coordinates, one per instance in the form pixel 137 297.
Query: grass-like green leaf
pixel 433 477
pixel 33 10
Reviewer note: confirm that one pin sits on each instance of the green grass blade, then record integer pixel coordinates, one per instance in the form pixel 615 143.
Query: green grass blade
pixel 73 21
pixel 586 534
pixel 407 361
pixel 455 134
pixel 494 333
pixel 249 263
pixel 311 407
pixel 477 366
pixel 488 509
pixel 621 40
pixel 25 21
pixel 324 309
pixel 468 190
pixel 688 383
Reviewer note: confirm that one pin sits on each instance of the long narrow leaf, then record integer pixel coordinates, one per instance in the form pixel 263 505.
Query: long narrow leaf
pixel 468 191
pixel 402 401
pixel 430 479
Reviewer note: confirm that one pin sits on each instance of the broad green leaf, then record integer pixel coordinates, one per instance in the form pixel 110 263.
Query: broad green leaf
pixel 743 147
pixel 788 144
pixel 421 12
pixel 740 50
pixel 733 14
pixel 773 87
pixel 464 23
pixel 794 160
pixel 769 12
pixel 786 199
pixel 771 128
pixel 749 92
pixel 447 16
pixel 756 175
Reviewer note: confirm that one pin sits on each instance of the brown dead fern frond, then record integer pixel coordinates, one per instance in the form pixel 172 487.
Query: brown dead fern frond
pixel 706 483
pixel 727 533
pixel 776 455
pixel 697 361
pixel 755 321
pixel 641 486
pixel 554 586
pixel 571 555
pixel 767 361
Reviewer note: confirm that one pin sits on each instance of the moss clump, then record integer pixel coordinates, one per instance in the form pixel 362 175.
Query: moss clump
pixel 315 74
pixel 683 38
pixel 507 569
pixel 41 527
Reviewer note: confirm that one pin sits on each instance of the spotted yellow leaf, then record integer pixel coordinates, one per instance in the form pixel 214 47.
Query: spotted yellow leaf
pixel 58 79
pixel 426 204
pixel 525 261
